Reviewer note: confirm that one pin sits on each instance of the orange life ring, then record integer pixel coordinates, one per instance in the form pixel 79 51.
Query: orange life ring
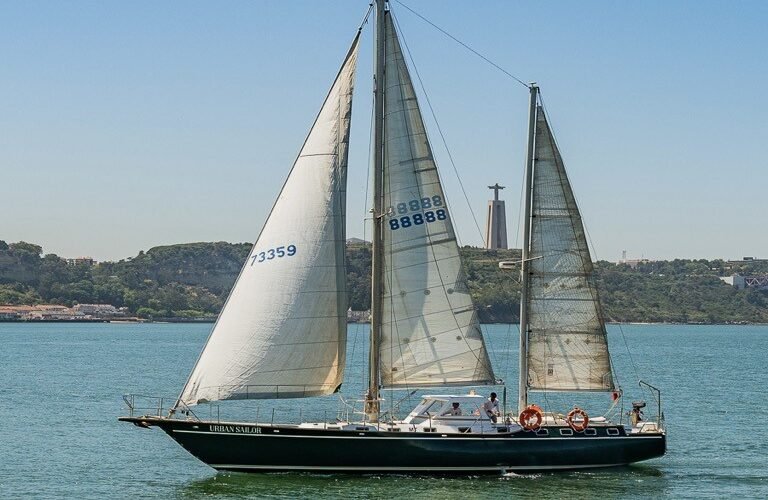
pixel 530 419
pixel 577 426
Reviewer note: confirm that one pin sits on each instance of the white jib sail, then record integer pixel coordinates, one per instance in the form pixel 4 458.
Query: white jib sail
pixel 282 332
pixel 430 335
pixel 567 347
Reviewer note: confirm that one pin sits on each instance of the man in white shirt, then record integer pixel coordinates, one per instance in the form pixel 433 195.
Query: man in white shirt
pixel 491 407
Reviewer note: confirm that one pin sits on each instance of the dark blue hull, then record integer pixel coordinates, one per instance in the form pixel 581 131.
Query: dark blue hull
pixel 263 448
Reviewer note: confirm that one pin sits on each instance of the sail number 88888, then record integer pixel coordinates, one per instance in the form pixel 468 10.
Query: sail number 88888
pixel 429 209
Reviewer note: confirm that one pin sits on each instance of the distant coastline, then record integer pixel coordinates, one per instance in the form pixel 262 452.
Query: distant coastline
pixel 210 320
pixel 190 282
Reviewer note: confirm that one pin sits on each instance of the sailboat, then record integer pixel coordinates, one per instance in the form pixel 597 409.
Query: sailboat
pixel 282 331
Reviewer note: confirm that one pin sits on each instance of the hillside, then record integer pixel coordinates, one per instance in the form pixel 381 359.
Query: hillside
pixel 192 280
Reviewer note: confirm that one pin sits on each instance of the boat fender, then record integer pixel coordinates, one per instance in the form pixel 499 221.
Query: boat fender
pixel 571 419
pixel 531 418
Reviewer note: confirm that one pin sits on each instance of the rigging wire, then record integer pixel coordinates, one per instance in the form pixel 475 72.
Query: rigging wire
pixel 434 257
pixel 520 212
pixel 492 352
pixel 450 156
pixel 626 346
pixel 478 54
pixel 365 224
pixel 389 277
pixel 588 277
pixel 594 256
pixel 439 129
pixel 507 349
pixel 487 60
pixel 367 15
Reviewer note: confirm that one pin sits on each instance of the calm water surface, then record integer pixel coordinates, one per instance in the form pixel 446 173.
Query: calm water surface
pixel 61 388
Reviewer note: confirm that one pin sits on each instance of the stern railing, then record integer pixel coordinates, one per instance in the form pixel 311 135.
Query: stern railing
pixel 657 393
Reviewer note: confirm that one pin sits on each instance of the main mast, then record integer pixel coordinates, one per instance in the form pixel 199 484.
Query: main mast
pixel 522 401
pixel 374 377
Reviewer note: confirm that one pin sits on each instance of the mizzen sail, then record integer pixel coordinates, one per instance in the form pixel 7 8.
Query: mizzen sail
pixel 567 347
pixel 282 332
pixel 430 334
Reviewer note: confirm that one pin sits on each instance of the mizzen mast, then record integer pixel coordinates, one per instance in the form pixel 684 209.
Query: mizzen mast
pixel 525 264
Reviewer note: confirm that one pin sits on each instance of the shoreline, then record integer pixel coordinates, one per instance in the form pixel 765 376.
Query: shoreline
pixel 213 320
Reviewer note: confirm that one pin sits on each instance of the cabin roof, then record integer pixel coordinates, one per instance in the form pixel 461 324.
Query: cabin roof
pixel 453 396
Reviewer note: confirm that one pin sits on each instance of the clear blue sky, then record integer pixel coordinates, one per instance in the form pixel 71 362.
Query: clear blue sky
pixel 126 125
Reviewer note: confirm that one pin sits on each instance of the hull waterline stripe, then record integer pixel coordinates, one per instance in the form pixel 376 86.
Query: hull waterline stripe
pixel 498 468
pixel 371 436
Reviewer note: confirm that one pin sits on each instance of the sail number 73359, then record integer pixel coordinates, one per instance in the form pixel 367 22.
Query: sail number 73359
pixel 427 209
pixel 273 253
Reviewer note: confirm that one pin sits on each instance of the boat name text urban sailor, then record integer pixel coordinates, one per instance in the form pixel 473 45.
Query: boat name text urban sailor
pixel 235 429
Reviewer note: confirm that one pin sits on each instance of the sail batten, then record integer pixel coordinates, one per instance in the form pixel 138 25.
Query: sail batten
pixel 567 346
pixel 282 331
pixel 430 334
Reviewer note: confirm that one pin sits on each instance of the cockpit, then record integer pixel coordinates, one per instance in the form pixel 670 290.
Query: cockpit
pixel 465 407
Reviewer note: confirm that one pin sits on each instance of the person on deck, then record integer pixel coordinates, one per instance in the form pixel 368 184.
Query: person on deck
pixel 455 411
pixel 491 407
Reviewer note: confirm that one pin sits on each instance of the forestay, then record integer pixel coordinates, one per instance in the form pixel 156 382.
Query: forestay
pixel 430 335
pixel 282 332
pixel 567 348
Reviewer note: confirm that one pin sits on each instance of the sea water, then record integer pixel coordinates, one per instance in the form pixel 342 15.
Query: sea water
pixel 61 387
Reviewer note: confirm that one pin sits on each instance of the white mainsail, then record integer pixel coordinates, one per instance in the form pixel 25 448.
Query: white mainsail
pixel 567 347
pixel 282 332
pixel 430 334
